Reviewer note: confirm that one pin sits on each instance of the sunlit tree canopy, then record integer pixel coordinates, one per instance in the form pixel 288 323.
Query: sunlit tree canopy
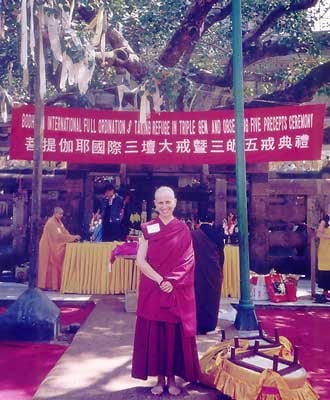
pixel 164 52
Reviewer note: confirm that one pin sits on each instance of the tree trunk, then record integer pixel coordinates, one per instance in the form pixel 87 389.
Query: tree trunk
pixel 189 32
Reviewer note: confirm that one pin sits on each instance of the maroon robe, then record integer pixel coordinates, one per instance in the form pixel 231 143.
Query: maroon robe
pixel 164 342
pixel 209 255
pixel 171 254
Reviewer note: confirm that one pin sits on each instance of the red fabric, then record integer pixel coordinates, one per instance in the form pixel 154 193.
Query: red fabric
pixel 308 329
pixel 268 390
pixel 161 349
pixel 254 280
pixel 171 254
pixel 24 365
pixel 125 249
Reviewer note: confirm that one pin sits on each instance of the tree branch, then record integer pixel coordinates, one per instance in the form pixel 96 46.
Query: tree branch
pixel 217 16
pixel 305 89
pixel 274 15
pixel 251 56
pixel 254 50
pixel 199 18
pixel 269 49
pixel 186 37
pixel 210 20
pixel 188 34
pixel 124 56
pixel 68 98
pixel 73 98
pixel 207 78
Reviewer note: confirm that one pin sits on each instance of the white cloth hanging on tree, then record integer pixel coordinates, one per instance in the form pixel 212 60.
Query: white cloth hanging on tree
pixel 24 43
pixel 144 108
pixel 54 29
pixel 42 66
pixel 32 39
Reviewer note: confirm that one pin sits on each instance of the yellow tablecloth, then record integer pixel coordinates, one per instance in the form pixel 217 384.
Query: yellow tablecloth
pixel 86 270
pixel 231 274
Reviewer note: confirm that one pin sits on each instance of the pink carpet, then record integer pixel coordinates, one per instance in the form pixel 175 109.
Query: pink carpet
pixel 309 329
pixel 24 365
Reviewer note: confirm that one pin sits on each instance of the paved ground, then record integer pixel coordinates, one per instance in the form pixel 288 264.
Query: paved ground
pixel 97 364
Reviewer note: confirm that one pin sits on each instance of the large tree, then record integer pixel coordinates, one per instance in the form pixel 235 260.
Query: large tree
pixel 167 51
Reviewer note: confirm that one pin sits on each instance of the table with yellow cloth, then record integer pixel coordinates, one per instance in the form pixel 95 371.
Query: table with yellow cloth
pixel 231 273
pixel 86 270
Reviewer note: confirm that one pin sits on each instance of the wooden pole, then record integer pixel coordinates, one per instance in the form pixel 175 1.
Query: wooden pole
pixel 312 238
pixel 33 316
pixel 37 168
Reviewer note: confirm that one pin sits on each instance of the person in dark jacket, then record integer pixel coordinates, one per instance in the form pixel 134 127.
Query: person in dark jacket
pixel 208 243
pixel 111 214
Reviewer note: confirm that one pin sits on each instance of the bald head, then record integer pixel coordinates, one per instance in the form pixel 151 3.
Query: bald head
pixel 165 202
pixel 58 213
pixel 164 190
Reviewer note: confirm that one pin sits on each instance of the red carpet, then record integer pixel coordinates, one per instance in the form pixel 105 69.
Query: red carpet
pixel 309 329
pixel 70 315
pixel 24 365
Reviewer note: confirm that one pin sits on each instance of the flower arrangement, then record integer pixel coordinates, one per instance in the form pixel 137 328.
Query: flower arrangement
pixel 230 228
pixel 95 227
pixel 95 222
pixel 135 218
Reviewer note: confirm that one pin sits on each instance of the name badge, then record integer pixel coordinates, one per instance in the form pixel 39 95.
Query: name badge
pixel 154 228
pixel 59 230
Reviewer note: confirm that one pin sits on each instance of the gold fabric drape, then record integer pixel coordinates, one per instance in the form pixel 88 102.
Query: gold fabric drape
pixel 231 274
pixel 86 270
pixel 237 382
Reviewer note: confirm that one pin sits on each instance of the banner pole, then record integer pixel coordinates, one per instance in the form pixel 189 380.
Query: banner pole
pixel 246 318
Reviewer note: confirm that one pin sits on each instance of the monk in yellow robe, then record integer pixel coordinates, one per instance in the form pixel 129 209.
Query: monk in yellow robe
pixel 52 250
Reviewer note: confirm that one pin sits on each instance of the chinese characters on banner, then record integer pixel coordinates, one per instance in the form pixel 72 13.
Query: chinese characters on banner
pixel 205 137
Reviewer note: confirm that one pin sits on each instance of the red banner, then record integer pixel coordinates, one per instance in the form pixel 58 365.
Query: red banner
pixel 203 137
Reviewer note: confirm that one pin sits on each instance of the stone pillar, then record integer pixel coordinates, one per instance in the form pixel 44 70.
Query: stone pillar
pixel 258 228
pixel 20 220
pixel 123 174
pixel 220 200
pixel 205 174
